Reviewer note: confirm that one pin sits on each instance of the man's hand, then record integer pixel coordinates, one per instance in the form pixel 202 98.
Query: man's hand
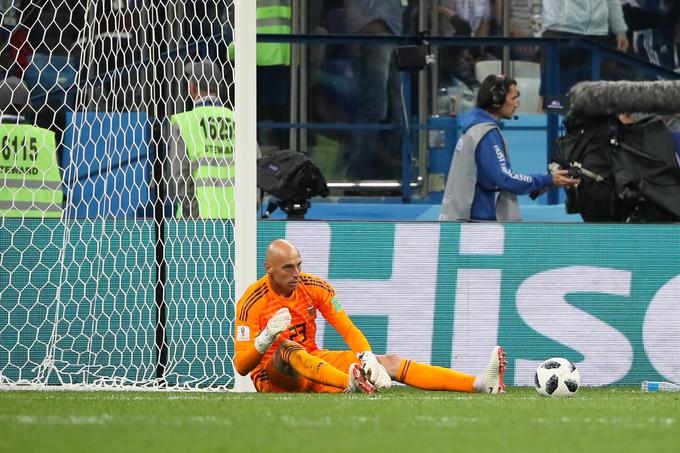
pixel 446 11
pixel 377 373
pixel 622 43
pixel 277 324
pixel 561 178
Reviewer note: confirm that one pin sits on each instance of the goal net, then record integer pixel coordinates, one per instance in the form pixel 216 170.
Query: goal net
pixel 117 183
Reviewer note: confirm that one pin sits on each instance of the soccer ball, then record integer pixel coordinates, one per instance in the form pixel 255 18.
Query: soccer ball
pixel 557 377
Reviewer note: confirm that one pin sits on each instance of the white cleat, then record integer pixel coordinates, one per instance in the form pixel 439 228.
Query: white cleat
pixel 491 379
pixel 358 380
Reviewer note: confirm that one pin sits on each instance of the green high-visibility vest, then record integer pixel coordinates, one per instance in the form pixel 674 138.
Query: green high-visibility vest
pixel 208 136
pixel 30 183
pixel 273 17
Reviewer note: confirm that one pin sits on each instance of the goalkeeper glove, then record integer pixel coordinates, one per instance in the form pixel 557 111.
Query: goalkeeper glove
pixel 277 324
pixel 377 373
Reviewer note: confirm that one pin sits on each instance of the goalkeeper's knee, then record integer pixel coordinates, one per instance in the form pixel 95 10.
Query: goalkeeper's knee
pixel 286 348
pixel 391 363
pixel 281 358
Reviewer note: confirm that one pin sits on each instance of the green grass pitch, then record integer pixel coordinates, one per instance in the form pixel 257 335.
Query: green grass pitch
pixel 607 419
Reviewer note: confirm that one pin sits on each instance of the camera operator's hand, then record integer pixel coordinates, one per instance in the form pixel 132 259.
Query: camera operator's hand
pixel 561 178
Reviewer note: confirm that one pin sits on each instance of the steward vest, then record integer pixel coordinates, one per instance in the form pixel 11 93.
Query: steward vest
pixel 459 192
pixel 208 137
pixel 30 183
pixel 273 17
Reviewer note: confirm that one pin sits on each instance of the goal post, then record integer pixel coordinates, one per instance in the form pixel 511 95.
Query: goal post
pixel 246 133
pixel 127 192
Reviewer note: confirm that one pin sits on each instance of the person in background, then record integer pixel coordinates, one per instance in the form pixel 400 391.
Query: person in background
pixel 481 184
pixel 273 72
pixel 658 38
pixel 592 19
pixel 525 21
pixel 201 173
pixel 30 180
pixel 378 87
pixel 464 18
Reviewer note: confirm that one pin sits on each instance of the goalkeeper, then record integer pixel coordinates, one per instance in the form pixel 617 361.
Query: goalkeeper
pixel 275 330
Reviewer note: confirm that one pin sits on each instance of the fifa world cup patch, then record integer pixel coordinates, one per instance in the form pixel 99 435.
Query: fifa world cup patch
pixel 243 333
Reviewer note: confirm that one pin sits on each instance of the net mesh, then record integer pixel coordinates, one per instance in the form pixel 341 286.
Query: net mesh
pixel 105 279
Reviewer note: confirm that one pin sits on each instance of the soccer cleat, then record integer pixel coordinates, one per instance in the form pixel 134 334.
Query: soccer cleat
pixel 491 379
pixel 358 380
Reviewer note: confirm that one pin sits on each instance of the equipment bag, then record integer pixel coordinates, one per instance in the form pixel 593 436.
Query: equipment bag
pixel 290 176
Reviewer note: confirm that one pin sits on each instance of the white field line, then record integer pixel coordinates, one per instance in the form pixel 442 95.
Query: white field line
pixel 106 419
pixel 322 422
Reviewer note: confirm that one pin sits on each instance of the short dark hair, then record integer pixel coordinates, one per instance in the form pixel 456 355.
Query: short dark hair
pixel 205 74
pixel 492 92
pixel 14 96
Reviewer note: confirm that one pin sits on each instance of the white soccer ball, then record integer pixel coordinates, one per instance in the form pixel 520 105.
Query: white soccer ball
pixel 557 377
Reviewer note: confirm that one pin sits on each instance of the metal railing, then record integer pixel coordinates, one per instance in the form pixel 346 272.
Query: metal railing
pixel 550 48
pixel 411 153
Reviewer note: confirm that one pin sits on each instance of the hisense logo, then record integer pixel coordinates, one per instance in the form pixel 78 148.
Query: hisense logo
pixel 490 283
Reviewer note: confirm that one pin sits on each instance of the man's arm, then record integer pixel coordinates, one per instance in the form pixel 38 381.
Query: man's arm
pixel 329 306
pixel 333 313
pixel 617 24
pixel 493 163
pixel 179 176
pixel 246 359
pixel 354 338
pixel 246 329
pixel 249 351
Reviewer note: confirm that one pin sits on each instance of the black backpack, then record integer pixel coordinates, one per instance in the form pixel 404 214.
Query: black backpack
pixel 290 176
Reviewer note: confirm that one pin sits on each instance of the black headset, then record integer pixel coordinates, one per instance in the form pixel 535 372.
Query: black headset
pixel 498 92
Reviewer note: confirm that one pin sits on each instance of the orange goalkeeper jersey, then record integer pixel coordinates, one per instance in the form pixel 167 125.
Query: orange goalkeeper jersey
pixel 260 302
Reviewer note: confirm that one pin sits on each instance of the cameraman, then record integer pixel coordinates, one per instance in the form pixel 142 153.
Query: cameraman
pixel 481 184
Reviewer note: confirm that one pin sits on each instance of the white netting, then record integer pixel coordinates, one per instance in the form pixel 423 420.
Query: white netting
pixel 117 284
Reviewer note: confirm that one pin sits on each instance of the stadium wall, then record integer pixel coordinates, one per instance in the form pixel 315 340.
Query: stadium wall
pixel 604 296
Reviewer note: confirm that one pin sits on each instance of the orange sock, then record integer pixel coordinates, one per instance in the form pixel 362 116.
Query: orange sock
pixel 313 368
pixel 428 377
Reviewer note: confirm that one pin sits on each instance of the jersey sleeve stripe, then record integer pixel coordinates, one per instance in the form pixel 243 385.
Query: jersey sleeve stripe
pixel 402 376
pixel 255 294
pixel 324 287
pixel 308 279
pixel 246 308
pixel 318 283
pixel 254 297
pixel 329 290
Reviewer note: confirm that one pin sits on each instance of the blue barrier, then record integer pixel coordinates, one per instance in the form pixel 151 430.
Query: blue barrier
pixel 107 164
